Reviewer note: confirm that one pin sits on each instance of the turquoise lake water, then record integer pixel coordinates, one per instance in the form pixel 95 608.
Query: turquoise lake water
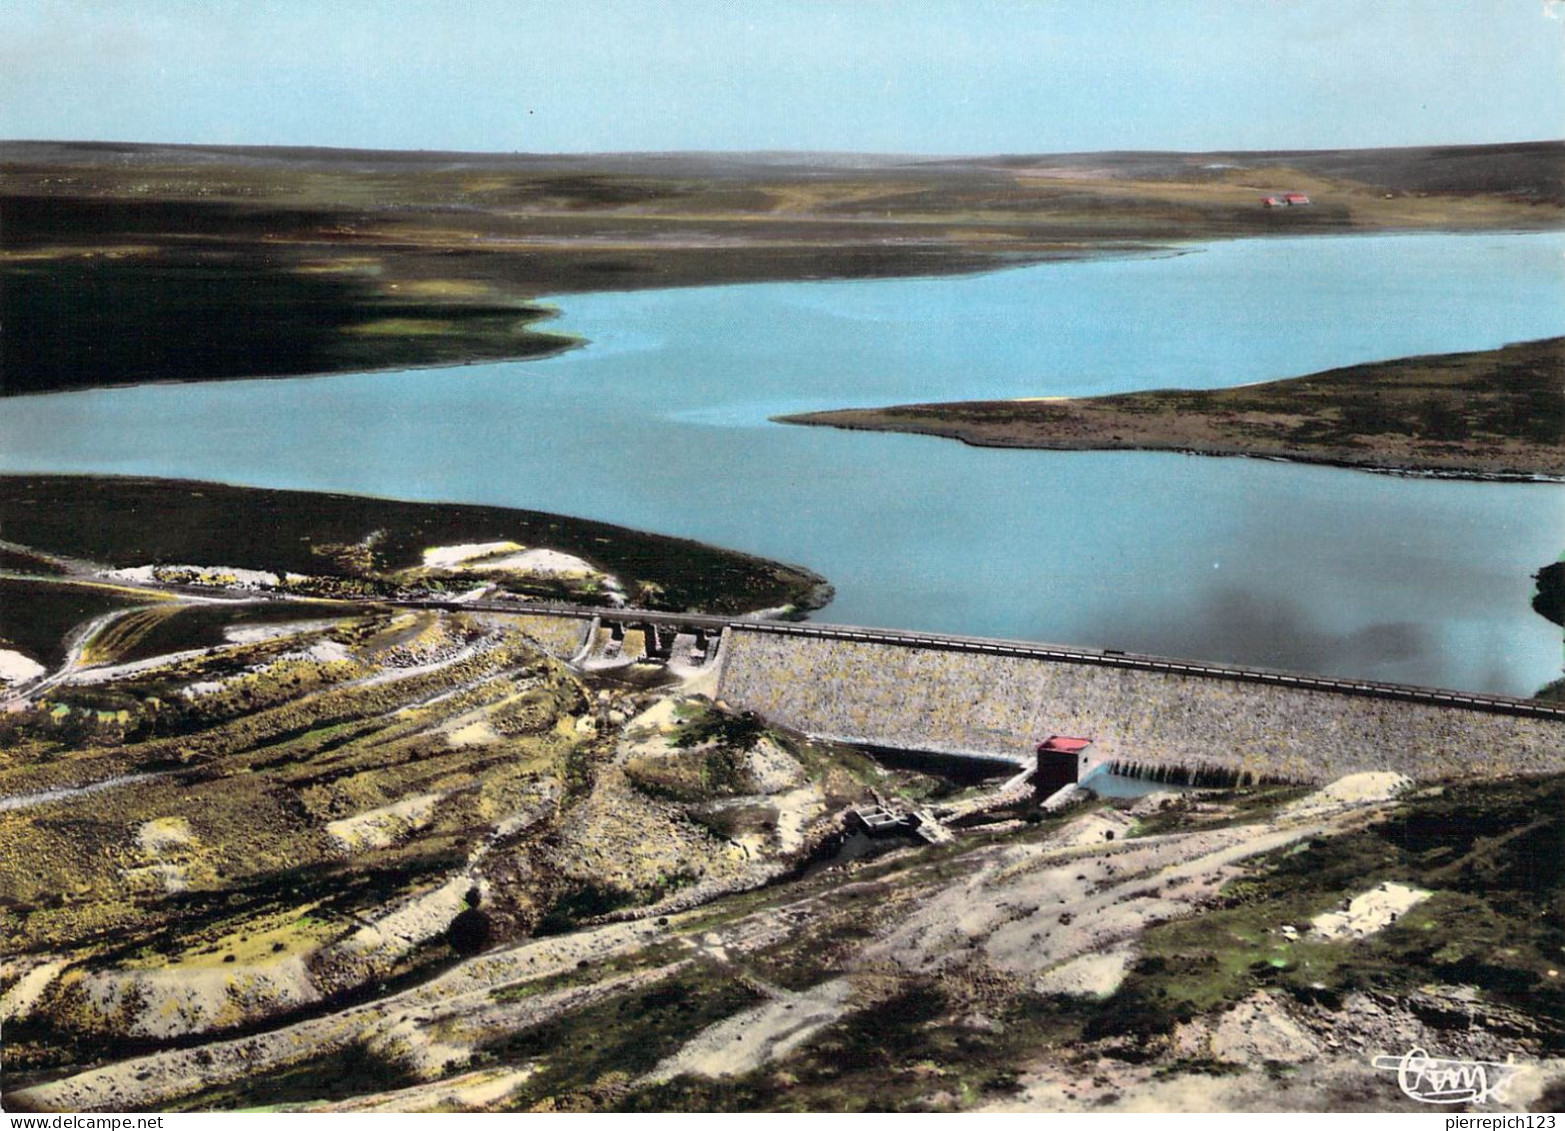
pixel 660 422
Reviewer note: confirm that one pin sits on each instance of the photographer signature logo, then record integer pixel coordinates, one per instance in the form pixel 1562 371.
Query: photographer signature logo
pixel 1434 1080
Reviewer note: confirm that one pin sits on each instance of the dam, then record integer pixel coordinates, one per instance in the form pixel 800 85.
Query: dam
pixel 968 701
pixel 993 699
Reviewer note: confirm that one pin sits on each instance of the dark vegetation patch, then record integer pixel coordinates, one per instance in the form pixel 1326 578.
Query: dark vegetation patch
pixel 727 821
pixel 590 1055
pixel 355 1070
pixel 1551 1099
pixel 927 773
pixel 470 932
pixel 183 628
pixel 39 221
pixel 820 951
pixel 579 904
pixel 1191 811
pixel 645 958
pixel 1490 854
pixel 586 191
pixel 143 521
pixel 20 562
pixel 1549 599
pixel 1491 412
pixel 736 731
pixel 835 762
pixel 88 323
pixel 1527 170
pixel 213 290
pixel 917 1049
pixel 36 616
pixel 710 760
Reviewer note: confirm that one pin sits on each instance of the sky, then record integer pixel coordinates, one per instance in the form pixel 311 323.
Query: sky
pixel 910 76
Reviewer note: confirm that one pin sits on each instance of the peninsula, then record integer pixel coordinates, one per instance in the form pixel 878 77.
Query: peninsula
pixel 1490 414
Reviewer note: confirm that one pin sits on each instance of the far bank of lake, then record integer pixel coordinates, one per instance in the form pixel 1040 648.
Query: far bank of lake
pixel 661 423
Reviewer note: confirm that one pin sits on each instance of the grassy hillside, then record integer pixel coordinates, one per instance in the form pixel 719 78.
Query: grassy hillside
pixel 361 542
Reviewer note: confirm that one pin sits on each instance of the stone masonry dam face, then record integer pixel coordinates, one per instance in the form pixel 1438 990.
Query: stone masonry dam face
pixel 958 702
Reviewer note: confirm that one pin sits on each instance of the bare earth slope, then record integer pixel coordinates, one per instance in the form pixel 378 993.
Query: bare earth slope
pixel 1204 953
pixel 1490 414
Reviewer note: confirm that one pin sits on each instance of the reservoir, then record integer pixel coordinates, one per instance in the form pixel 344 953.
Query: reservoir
pixel 661 422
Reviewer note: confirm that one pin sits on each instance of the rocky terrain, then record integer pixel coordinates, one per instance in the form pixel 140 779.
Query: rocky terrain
pixel 373 858
pixel 308 813
pixel 1194 951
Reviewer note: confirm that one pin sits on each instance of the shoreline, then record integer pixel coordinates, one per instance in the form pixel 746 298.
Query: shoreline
pixel 1495 415
pixel 577 342
pixel 290 252
pixel 550 306
pixel 1399 471
pixel 674 563
pixel 569 342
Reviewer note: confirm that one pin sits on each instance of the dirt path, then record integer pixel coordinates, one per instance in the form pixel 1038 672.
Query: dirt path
pixel 768 1032
pixel 67 793
pixel 1027 909
pixel 463 991
pixel 76 648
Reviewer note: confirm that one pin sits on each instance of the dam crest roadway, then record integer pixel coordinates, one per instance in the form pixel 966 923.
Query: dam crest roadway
pixel 990 699
pixel 995 699
pixel 664 625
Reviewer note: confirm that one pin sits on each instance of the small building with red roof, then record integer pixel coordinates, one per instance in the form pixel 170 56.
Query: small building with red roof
pixel 1061 760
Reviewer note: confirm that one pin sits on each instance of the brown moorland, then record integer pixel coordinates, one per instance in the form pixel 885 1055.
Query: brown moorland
pixel 1491 414
pixel 201 263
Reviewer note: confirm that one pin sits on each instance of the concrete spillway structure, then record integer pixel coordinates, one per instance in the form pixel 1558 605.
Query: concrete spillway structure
pixel 959 701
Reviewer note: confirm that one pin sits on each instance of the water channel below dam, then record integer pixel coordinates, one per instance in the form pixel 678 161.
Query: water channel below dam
pixel 661 422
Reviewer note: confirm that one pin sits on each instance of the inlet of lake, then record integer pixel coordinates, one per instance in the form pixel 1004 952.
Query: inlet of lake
pixel 660 422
